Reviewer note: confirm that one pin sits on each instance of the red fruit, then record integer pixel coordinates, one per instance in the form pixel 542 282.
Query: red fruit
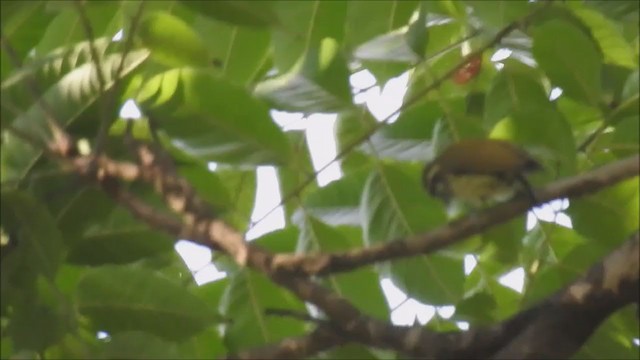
pixel 468 71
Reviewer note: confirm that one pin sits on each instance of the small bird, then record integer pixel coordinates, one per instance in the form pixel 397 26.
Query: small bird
pixel 479 171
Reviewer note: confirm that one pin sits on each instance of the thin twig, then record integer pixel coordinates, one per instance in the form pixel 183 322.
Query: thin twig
pixel 609 121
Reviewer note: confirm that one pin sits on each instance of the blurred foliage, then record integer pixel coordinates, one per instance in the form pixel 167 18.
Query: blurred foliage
pixel 210 74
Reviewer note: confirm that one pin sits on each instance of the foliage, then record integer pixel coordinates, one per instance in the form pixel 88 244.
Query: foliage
pixel 209 74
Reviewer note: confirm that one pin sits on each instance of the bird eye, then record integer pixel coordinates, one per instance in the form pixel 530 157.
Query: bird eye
pixel 439 186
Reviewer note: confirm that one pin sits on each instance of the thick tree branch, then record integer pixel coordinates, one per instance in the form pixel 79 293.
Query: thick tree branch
pixel 555 328
pixel 564 322
pixel 455 231
pixel 200 224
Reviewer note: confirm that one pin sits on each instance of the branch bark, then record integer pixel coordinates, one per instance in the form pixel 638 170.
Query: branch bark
pixel 456 231
pixel 555 328
pixel 564 322
pixel 200 223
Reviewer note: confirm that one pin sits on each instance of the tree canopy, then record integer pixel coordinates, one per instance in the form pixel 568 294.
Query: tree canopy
pixel 94 200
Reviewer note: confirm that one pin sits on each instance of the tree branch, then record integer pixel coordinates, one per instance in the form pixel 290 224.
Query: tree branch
pixel 458 230
pixel 555 328
pixel 201 225
pixel 564 322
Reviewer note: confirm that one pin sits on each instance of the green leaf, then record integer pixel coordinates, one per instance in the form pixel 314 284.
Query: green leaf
pixel 583 118
pixel 16 157
pixel 6 348
pixel 609 216
pixel 211 292
pixel 66 27
pixel 416 35
pixel 213 120
pixel 71 96
pixel 23 24
pixel 243 52
pixel 477 309
pixel 626 137
pixel 237 12
pixel 39 317
pixel 547 136
pixel 524 115
pixel 249 294
pixel 394 205
pixel 338 203
pixel 546 244
pixel 351 128
pixel 351 351
pixel 487 300
pixel 304 25
pixel 570 59
pixel 208 185
pixel 119 247
pixel 618 10
pixel 436 279
pixel 299 170
pixel 37 235
pixel 242 187
pixel 391 47
pixel 546 250
pixel 68 277
pixel 124 298
pixel 498 14
pixel 172 41
pixel 614 46
pixel 245 301
pixel 84 208
pixel 368 19
pixel 207 344
pixel 409 138
pixel 138 345
pixel 361 287
pixel 58 62
pixel 318 83
pixel 515 88
pixel 35 327
pixel 504 242
pixel 630 89
pixel 613 339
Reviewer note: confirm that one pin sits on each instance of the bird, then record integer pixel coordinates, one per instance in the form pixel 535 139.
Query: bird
pixel 478 172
